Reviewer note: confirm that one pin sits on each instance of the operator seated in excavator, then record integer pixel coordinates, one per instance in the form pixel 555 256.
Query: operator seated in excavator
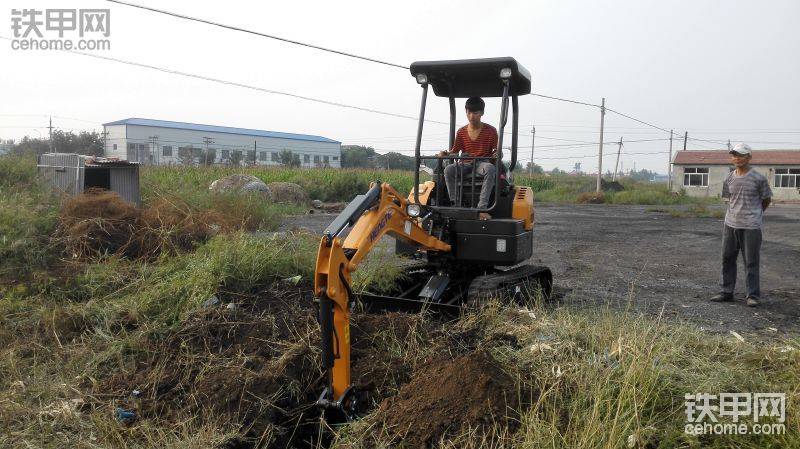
pixel 476 139
pixel 468 243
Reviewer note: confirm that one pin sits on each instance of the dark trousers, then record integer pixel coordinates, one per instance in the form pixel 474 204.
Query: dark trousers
pixel 748 242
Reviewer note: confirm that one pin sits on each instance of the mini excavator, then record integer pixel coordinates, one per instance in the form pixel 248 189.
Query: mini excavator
pixel 459 257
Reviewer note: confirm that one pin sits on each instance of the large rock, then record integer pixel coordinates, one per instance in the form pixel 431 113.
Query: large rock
pixel 241 183
pixel 287 192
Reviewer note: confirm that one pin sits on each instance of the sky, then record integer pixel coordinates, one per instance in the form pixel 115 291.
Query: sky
pixel 718 70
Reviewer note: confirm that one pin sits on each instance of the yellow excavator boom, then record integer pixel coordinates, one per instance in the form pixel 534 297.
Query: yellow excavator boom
pixel 381 211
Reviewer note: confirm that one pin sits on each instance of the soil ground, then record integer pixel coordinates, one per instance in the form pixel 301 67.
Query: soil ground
pixel 644 258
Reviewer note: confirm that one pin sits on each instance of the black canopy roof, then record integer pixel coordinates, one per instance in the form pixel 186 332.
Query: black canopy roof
pixel 473 77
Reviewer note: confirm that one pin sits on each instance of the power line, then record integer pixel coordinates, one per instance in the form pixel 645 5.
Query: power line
pixel 339 52
pixel 246 86
pixel 257 33
pixel 586 156
pixel 637 120
pixel 565 99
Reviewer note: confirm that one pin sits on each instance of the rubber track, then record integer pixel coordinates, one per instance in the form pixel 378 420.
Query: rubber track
pixel 487 285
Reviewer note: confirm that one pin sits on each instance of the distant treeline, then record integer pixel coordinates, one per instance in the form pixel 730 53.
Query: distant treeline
pixel 89 143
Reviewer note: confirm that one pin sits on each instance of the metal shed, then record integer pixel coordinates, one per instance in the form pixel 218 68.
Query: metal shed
pixel 74 173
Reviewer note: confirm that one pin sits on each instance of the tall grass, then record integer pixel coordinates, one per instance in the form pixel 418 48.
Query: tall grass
pixel 604 379
pixel 329 184
pixel 325 184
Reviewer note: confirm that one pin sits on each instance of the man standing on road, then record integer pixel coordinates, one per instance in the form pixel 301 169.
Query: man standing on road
pixel 748 196
pixel 476 139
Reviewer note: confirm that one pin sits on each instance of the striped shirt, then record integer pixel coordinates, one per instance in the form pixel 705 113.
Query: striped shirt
pixel 744 194
pixel 480 147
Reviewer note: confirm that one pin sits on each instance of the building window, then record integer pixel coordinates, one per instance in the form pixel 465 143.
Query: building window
pixel 262 156
pixel 132 146
pixel 316 159
pixel 226 154
pixel 787 177
pixel 336 158
pixel 237 154
pixel 306 159
pixel 166 150
pixel 275 157
pixel 695 177
pixel 115 147
pixel 325 159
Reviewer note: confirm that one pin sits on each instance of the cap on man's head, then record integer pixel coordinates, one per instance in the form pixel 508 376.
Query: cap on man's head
pixel 742 149
pixel 475 104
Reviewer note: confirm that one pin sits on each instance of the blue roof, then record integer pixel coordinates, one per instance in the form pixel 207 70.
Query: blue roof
pixel 218 129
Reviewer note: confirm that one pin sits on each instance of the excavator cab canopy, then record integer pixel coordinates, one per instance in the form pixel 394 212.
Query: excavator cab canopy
pixel 490 77
pixel 474 77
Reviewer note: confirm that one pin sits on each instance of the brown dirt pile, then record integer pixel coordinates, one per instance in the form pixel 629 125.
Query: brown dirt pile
pixel 255 367
pixel 447 398
pixel 99 223
pixel 377 365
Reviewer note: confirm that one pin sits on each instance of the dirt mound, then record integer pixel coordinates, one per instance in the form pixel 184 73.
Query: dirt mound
pixel 287 192
pixel 377 365
pixel 98 223
pixel 449 397
pixel 591 198
pixel 255 366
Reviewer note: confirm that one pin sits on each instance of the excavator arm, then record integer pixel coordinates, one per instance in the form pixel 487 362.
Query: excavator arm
pixel 380 211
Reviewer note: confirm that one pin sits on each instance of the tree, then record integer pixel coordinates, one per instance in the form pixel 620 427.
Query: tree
pixel 395 161
pixel 89 143
pixel 537 169
pixel 186 155
pixel 289 159
pixel 355 156
pixel 556 171
pixel 236 158
pixel 31 146
pixel 642 175
pixel 206 157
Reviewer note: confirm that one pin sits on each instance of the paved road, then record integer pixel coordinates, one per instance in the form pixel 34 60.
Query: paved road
pixel 624 255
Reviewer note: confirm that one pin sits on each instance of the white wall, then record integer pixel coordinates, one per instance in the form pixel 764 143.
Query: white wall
pixel 122 135
pixel 115 137
pixel 717 174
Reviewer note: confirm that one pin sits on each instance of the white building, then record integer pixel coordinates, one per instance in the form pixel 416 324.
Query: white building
pixel 701 173
pixel 163 142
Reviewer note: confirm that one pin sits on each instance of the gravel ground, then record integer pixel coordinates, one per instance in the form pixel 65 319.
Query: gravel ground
pixel 653 262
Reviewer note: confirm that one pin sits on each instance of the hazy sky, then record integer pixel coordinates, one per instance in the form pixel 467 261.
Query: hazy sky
pixel 719 69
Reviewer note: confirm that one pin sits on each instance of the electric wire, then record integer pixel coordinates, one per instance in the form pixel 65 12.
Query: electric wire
pixel 246 86
pixel 257 33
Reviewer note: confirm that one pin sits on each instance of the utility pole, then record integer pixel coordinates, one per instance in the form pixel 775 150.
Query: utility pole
pixel 207 141
pixel 533 139
pixel 616 166
pixel 51 134
pixel 669 164
pixel 729 144
pixel 255 152
pixel 105 138
pixel 600 154
pixel 685 138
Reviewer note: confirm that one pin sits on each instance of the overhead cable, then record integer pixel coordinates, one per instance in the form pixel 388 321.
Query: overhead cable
pixel 257 33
